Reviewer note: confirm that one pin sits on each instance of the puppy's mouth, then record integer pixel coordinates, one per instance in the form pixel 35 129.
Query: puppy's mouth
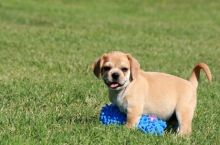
pixel 113 85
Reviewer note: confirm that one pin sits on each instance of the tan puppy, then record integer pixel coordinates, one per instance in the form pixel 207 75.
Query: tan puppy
pixel 137 92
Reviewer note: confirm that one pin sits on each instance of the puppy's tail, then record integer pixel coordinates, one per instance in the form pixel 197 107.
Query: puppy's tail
pixel 196 73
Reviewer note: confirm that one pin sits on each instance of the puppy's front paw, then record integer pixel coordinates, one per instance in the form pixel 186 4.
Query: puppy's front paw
pixel 184 133
pixel 130 125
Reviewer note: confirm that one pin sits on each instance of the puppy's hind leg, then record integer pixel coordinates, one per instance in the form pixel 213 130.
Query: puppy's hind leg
pixel 185 122
pixel 184 114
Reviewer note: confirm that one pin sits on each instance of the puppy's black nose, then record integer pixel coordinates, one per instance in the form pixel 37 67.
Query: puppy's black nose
pixel 115 76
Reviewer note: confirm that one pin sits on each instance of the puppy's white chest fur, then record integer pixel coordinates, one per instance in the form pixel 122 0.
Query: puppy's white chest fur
pixel 118 98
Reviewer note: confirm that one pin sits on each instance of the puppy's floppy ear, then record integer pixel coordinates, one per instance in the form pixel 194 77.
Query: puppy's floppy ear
pixel 134 65
pixel 97 65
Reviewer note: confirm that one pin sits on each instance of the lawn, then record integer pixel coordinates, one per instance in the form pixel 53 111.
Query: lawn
pixel 48 93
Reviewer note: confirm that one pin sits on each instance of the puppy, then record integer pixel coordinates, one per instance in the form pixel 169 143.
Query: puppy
pixel 137 92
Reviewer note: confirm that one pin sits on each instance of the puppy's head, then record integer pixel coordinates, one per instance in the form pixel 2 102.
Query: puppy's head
pixel 117 69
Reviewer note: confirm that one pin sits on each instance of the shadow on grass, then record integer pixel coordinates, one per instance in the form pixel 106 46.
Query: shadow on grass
pixel 172 124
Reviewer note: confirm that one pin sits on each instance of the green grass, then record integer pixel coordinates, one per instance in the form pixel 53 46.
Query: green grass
pixel 48 94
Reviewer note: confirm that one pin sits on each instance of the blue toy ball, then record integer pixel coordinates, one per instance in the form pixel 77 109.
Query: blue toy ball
pixel 110 114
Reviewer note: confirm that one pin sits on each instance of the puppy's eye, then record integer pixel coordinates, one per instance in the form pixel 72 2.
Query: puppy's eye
pixel 106 68
pixel 124 69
